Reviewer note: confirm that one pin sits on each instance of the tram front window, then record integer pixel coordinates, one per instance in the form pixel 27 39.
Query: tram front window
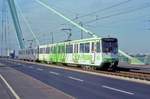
pixel 109 45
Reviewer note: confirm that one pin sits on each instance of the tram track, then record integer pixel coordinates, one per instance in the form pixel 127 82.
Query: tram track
pixel 128 74
pixel 122 73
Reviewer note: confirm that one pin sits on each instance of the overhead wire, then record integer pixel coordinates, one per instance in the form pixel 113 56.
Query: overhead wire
pixel 104 9
pixel 101 10
pixel 66 18
pixel 75 24
pixel 120 13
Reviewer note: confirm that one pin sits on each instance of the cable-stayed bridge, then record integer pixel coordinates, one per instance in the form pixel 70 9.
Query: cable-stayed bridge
pixel 61 55
pixel 14 9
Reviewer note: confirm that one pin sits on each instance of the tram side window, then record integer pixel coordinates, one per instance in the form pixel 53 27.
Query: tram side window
pixel 76 48
pixel 87 47
pixel 58 49
pixel 61 49
pixel 93 48
pixel 52 49
pixel 81 48
pixel 84 47
pixel 55 49
pixel 98 47
pixel 69 48
pixel 48 50
pixel 42 50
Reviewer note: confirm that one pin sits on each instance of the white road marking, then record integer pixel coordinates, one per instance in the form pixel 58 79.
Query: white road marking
pixel 77 79
pixel 9 87
pixel 1 64
pixel 39 69
pixel 31 67
pixel 55 73
pixel 111 88
pixel 18 64
pixel 23 65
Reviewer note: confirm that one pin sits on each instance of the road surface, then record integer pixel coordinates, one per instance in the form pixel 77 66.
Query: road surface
pixel 82 85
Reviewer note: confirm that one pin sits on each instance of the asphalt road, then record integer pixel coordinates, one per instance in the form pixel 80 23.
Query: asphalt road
pixel 17 85
pixel 81 85
pixel 4 93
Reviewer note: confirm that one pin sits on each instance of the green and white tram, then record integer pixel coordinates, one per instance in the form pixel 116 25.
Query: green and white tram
pixel 92 52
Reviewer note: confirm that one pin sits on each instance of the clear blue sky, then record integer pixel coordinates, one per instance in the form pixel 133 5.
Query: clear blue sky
pixel 128 20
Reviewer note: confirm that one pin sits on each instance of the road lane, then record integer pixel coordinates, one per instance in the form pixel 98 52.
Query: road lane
pixel 55 73
pixel 119 90
pixel 90 88
pixel 74 78
pixel 9 87
pixel 29 88
pixel 39 69
pixel 4 91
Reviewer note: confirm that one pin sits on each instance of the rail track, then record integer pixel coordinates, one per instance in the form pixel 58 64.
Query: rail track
pixel 129 74
pixel 119 72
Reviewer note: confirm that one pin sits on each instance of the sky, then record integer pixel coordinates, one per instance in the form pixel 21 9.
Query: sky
pixel 127 20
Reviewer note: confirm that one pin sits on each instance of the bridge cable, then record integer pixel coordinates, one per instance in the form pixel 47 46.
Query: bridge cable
pixel 27 24
pixel 65 18
pixel 78 26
